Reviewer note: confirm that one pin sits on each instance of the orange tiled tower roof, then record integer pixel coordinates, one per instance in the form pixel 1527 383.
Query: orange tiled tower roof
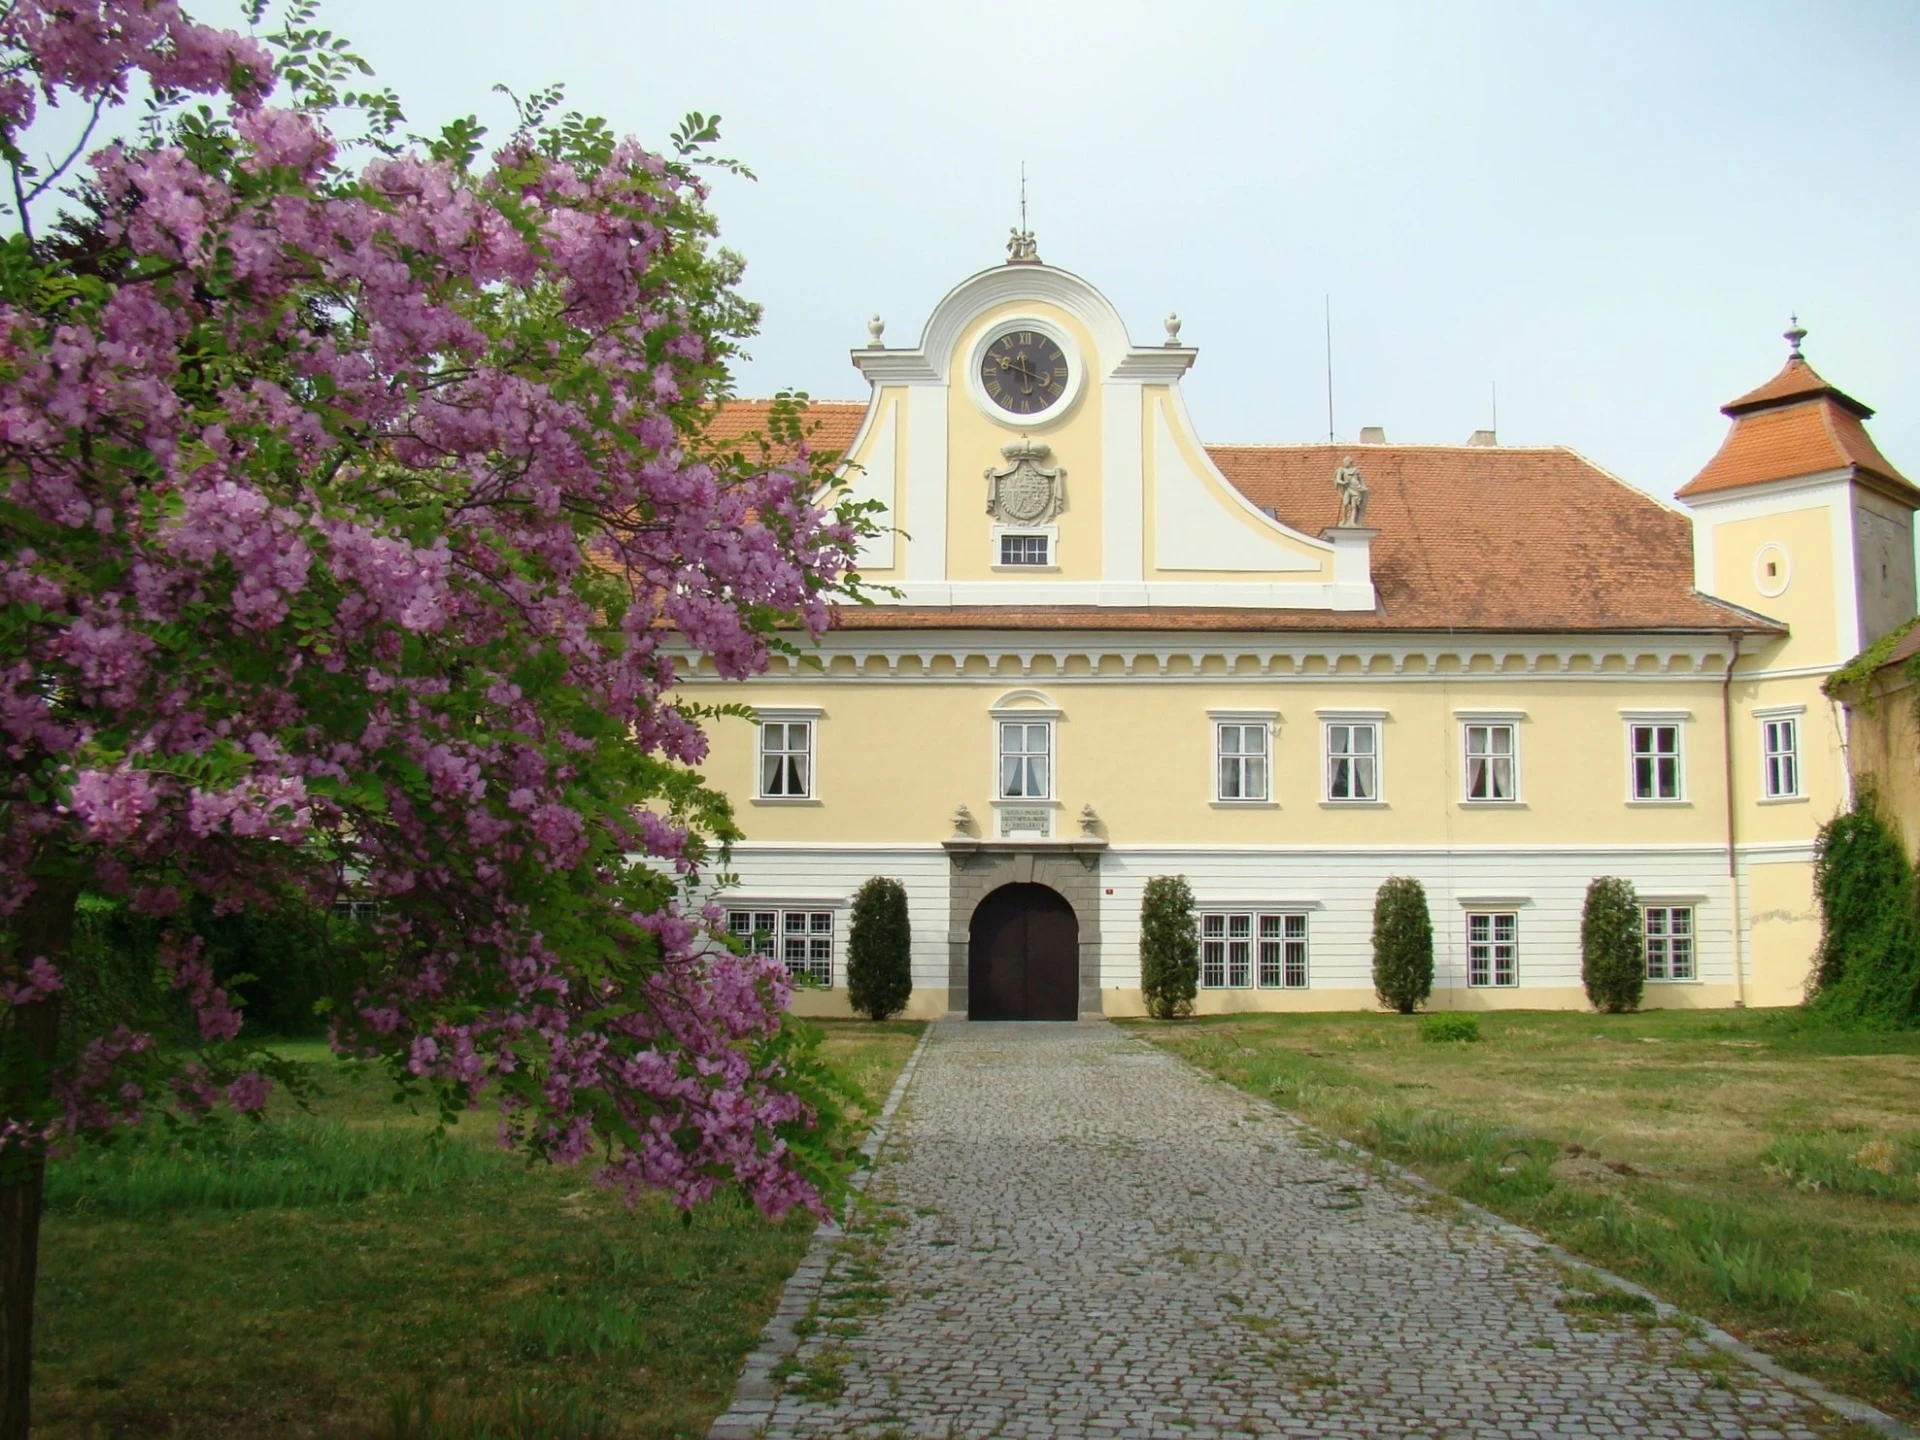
pixel 1797 424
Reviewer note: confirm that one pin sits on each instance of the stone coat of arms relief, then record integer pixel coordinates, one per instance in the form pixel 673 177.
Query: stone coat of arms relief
pixel 1026 491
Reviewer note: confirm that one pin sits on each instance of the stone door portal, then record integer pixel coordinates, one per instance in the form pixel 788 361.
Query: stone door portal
pixel 1023 956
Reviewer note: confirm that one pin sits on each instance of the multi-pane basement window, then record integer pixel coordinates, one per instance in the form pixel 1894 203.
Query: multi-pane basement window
pixel 801 940
pixel 1242 756
pixel 1656 761
pixel 1669 939
pixel 1490 773
pixel 1780 744
pixel 1023 550
pixel 1239 948
pixel 1493 948
pixel 1025 750
pixel 786 759
pixel 1353 762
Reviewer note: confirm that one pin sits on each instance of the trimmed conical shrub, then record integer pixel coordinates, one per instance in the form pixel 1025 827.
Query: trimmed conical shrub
pixel 1169 947
pixel 880 950
pixel 1402 945
pixel 1613 959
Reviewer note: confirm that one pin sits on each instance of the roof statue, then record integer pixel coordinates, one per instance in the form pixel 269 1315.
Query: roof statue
pixel 1022 248
pixel 1353 494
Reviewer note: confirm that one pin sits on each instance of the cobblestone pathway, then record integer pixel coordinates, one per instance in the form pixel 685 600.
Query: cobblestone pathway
pixel 1079 1236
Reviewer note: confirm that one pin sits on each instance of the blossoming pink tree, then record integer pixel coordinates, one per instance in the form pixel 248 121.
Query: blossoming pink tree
pixel 354 510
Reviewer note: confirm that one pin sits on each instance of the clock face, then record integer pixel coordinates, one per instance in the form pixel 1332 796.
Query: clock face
pixel 1024 372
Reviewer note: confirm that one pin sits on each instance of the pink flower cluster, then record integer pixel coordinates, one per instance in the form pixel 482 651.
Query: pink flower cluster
pixel 355 521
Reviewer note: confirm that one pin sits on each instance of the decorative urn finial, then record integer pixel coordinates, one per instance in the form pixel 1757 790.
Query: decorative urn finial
pixel 1089 822
pixel 876 327
pixel 962 821
pixel 1793 335
pixel 1173 328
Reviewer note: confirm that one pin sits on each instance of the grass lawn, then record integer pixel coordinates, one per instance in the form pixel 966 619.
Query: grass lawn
pixel 1751 1166
pixel 332 1275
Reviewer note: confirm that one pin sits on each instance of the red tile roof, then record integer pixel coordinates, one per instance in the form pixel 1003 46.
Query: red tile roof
pixel 1797 380
pixel 1474 538
pixel 831 424
pixel 1797 424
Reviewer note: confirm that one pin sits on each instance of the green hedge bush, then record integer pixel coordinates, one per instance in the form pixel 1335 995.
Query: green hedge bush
pixel 1450 1026
pixel 1867 969
pixel 1613 957
pixel 1169 947
pixel 880 950
pixel 280 961
pixel 1402 945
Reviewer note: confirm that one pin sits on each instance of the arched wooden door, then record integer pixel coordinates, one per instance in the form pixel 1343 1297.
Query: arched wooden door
pixel 1023 956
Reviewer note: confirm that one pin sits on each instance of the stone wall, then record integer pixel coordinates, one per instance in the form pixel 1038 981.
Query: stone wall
pixel 976 873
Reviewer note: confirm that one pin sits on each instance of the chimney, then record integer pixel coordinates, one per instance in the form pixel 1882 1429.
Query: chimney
pixel 1482 439
pixel 1373 434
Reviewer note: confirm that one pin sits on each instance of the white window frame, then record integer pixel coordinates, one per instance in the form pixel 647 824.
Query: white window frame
pixel 1656 720
pixel 802 938
pixel 1489 721
pixel 1773 720
pixel 1661 941
pixel 808 717
pixel 1048 533
pixel 1330 720
pixel 1260 722
pixel 1043 723
pixel 1242 946
pixel 1493 945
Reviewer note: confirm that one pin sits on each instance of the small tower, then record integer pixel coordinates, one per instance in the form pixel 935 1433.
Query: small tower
pixel 1800 517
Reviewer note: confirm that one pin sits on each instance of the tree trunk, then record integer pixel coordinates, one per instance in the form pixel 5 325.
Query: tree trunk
pixel 44 926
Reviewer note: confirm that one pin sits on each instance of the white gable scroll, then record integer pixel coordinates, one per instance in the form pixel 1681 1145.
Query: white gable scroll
pixel 1148 520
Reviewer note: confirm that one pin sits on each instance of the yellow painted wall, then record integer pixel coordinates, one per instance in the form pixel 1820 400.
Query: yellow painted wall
pixel 1823 765
pixel 1786 931
pixel 974 443
pixel 1885 749
pixel 1807 604
pixel 893 759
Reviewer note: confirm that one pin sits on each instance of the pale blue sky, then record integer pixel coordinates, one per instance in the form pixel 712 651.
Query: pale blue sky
pixel 1608 209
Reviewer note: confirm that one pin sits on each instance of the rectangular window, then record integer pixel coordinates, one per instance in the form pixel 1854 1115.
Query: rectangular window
pixel 1025 752
pixel 1669 940
pixel 786 759
pixel 801 940
pixel 1780 744
pixel 1353 761
pixel 1490 757
pixel 1240 753
pixel 1656 761
pixel 1023 550
pixel 1493 948
pixel 1241 948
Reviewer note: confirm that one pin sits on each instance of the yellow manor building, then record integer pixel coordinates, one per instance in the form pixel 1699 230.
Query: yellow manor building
pixel 1289 672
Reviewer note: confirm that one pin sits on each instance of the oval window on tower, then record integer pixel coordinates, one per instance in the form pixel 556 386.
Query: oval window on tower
pixel 1772 569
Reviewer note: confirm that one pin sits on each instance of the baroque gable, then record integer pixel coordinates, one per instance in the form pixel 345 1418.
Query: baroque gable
pixel 1025 374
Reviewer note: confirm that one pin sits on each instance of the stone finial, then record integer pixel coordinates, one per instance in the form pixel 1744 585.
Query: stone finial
pixel 1089 822
pixel 962 820
pixel 1022 248
pixel 1353 495
pixel 1793 335
pixel 1173 328
pixel 876 327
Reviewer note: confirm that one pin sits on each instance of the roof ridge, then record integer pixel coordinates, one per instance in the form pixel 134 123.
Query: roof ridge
pixel 1362 447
